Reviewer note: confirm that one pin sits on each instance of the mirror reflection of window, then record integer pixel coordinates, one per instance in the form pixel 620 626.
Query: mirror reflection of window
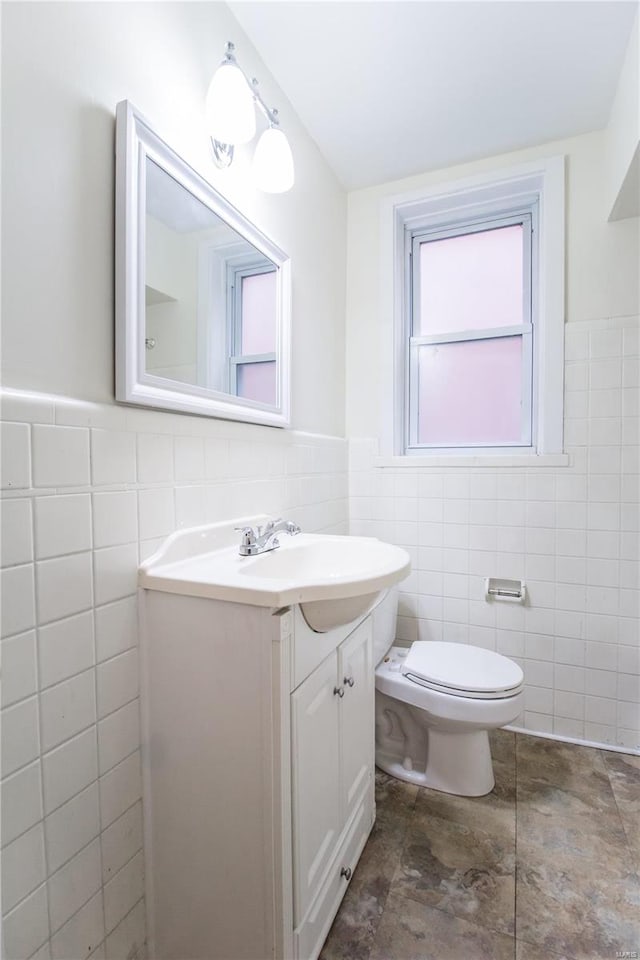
pixel 253 363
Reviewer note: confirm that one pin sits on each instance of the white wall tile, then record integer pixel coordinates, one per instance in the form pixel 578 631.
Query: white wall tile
pixel 123 891
pixel 72 826
pixel 62 525
pixel 116 627
pixel 17 613
pixel 568 705
pixel 156 512
pixel 629 689
pixel 155 458
pixel 190 506
pixel 118 735
pixel 629 659
pixel 75 883
pixel 189 458
pixel 19 667
pixel 60 456
pixel 113 457
pixel 21 801
pixel 23 867
pixel 600 710
pixel 115 518
pixel 569 678
pixel 64 586
pixel 217 459
pixel 15 455
pixel 117 682
pixel 600 656
pixel 568 727
pixel 605 343
pixel 20 735
pixel 631 372
pixel 605 374
pixel 128 938
pixel 83 932
pixel 44 953
pixel 115 572
pixel 27 927
pixel 121 841
pixel 67 708
pixel 66 648
pixel 119 789
pixel 69 769
pixel 16 532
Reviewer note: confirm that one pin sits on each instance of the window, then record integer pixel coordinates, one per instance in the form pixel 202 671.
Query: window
pixel 473 301
pixel 253 334
pixel 470 356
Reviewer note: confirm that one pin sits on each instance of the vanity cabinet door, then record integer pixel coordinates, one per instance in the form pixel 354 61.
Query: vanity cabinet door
pixel 355 676
pixel 316 788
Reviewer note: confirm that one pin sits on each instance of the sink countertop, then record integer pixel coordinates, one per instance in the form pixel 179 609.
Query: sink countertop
pixel 205 562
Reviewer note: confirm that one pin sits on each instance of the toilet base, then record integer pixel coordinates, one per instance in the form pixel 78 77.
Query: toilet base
pixel 458 763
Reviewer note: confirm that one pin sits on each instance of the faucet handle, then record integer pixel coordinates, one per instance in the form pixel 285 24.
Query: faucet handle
pixel 270 524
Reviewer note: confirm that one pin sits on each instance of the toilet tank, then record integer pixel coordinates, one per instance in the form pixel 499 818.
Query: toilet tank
pixel 384 623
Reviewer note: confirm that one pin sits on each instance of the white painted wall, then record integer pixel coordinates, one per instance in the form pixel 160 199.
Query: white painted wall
pixel 623 136
pixel 64 68
pixel 572 532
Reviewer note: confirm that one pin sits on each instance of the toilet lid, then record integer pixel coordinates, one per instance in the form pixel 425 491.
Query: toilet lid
pixel 462 670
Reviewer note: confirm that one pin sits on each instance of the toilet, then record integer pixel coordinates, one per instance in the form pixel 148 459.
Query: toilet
pixel 435 705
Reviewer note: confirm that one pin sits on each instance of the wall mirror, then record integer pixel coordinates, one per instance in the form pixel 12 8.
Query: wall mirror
pixel 202 295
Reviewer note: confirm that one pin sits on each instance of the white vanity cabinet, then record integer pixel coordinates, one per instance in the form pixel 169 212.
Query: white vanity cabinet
pixel 332 777
pixel 258 752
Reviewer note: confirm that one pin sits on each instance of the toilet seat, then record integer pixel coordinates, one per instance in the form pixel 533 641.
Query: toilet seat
pixel 461 670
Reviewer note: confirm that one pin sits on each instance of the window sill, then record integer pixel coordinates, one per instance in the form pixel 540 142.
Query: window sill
pixel 488 460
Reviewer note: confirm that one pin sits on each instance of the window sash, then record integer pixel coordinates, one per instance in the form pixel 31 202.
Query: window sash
pixel 415 238
pixel 242 360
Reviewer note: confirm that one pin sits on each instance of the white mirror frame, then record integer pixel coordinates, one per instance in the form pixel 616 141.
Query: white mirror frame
pixel 135 141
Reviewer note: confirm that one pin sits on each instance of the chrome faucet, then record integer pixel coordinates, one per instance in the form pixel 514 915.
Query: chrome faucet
pixel 263 539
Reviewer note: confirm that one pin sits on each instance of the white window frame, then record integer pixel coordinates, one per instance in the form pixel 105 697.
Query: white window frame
pixel 537 186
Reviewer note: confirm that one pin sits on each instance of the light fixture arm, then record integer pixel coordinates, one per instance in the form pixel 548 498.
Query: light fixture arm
pixel 270 113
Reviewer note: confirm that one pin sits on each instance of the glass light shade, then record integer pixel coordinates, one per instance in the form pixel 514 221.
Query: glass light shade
pixel 230 112
pixel 273 162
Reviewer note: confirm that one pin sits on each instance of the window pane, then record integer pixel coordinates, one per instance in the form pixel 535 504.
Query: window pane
pixel 471 282
pixel 470 392
pixel 259 313
pixel 257 381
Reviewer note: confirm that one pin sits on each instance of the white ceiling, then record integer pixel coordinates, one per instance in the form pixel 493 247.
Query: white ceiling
pixel 388 89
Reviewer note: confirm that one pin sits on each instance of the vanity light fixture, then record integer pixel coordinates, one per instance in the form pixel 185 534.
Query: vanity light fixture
pixel 231 119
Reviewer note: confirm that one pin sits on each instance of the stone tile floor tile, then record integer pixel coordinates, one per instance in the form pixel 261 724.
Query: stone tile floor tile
pixel 543 868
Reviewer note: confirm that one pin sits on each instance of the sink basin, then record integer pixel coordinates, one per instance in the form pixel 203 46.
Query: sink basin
pixel 316 557
pixel 335 579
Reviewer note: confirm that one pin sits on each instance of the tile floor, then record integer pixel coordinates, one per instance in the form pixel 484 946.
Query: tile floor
pixel 546 867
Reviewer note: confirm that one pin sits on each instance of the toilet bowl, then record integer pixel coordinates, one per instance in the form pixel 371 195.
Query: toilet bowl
pixel 435 705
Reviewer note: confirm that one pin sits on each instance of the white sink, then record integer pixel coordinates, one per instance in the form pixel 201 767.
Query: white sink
pixel 334 579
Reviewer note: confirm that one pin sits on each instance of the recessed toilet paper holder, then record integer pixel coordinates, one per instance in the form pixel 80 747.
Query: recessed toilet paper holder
pixel 496 588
